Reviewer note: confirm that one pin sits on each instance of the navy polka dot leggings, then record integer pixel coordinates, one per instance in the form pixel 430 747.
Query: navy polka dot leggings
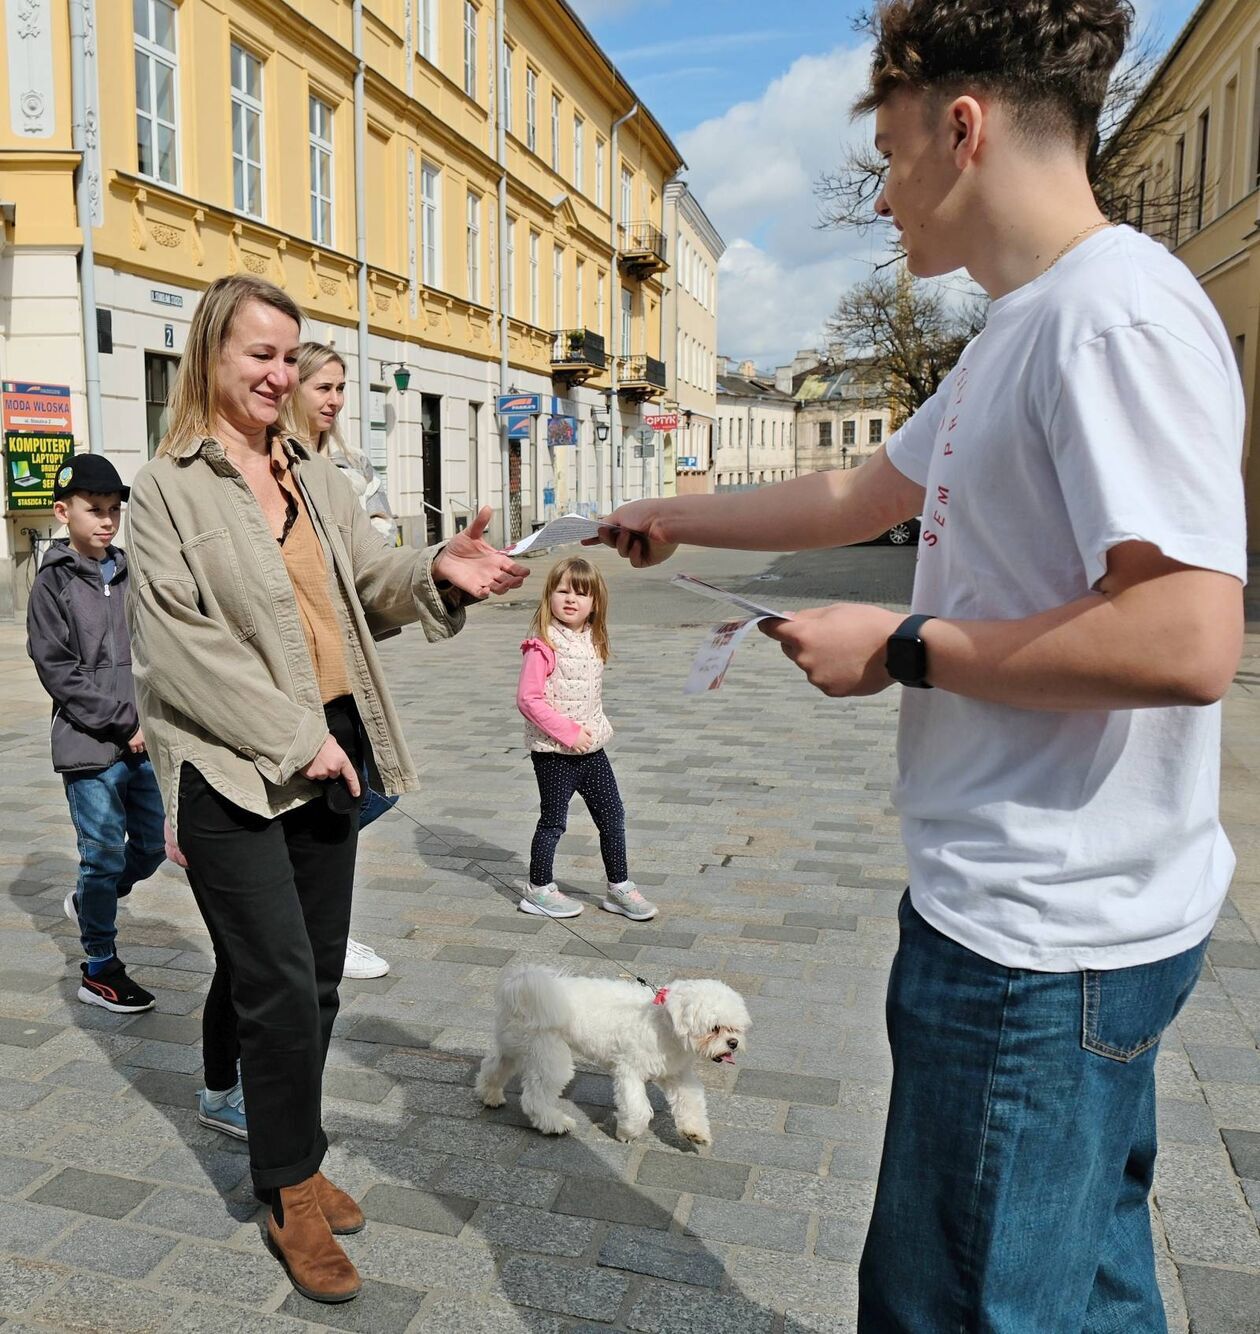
pixel 591 777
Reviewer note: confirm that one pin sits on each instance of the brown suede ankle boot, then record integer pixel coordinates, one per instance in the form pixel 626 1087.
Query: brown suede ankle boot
pixel 304 1244
pixel 343 1215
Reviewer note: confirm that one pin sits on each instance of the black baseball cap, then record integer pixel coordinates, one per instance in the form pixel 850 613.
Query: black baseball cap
pixel 92 473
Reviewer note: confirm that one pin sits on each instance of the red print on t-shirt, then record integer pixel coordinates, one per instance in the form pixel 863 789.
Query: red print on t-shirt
pixel 934 523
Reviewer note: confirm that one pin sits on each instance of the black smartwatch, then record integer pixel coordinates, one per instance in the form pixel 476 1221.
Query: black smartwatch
pixel 906 656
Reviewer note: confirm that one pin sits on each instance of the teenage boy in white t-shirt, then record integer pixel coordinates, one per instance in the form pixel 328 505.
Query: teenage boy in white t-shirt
pixel 1077 618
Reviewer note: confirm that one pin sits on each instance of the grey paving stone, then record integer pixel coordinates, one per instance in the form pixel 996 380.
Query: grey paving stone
pixel 166 1088
pixel 202 1167
pixel 391 1032
pixel 235 1276
pixel 210 1317
pixel 111 1248
pixel 1220 1301
pixel 1180 1120
pixel 801 935
pixel 596 1157
pixel 749 1225
pixel 661 1255
pixel 96 1302
pixel 491 1181
pixel 662 939
pixel 28 1228
pixel 588 1294
pixel 520 925
pixel 1210 1230
pixel 380 1308
pixel 452 1315
pixel 164 1027
pixel 769 1148
pixel 16 1095
pixel 1244 1152
pixel 582 949
pixel 662 1310
pixel 1226 1065
pixel 783 1086
pixel 418 1209
pixel 822 921
pixel 357 1085
pixel 691 1173
pixel 18 1173
pixel 92 1193
pixel 840 1239
pixel 535 1230
pixel 21 1281
pixel 195 1214
pixel 616 1202
pixel 1234 954
pixel 25 1032
pixel 477 954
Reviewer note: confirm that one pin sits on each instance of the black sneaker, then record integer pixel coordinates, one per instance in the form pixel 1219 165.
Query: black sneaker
pixel 112 989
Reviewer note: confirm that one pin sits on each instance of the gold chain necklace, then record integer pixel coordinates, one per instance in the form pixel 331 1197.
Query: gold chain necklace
pixel 1080 236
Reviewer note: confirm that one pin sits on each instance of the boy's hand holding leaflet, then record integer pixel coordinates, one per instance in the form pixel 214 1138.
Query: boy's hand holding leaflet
pixel 708 669
pixel 561 532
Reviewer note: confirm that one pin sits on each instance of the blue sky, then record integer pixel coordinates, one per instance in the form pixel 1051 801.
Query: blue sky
pixel 756 97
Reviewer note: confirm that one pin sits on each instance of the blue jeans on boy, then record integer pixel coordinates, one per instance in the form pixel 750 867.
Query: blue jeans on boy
pixel 117 815
pixel 374 804
pixel 1020 1145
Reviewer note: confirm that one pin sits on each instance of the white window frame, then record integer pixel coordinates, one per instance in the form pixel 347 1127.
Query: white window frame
pixel 534 294
pixel 509 247
pixel 431 224
pixel 627 196
pixel 155 54
pixel 599 171
pixel 555 133
pixel 426 38
pixel 470 49
pixel 627 322
pixel 321 155
pixel 472 247
pixel 531 108
pixel 599 304
pixel 248 105
pixel 505 92
pixel 579 150
pixel 557 287
pixel 579 292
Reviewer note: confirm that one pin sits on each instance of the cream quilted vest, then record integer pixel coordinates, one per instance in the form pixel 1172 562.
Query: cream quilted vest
pixel 575 689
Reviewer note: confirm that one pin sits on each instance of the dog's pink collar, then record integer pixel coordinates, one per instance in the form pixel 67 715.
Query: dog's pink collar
pixel 659 998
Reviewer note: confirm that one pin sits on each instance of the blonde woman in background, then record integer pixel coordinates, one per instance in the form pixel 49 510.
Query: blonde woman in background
pixel 312 415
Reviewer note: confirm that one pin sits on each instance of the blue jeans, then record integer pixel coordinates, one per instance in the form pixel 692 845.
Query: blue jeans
pixel 117 815
pixel 1020 1145
pixel 374 804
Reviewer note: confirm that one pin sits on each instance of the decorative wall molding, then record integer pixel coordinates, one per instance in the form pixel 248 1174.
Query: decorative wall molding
pixel 412 270
pixel 32 96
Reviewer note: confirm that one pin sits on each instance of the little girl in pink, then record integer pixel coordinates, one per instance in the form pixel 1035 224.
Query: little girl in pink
pixel 560 695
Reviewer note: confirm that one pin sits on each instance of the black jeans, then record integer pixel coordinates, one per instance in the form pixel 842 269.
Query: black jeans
pixel 592 778
pixel 275 897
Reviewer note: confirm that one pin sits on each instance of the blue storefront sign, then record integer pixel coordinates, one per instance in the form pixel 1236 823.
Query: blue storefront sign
pixel 530 404
pixel 518 425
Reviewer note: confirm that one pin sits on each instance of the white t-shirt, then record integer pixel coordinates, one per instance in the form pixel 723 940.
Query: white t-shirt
pixel 1101 404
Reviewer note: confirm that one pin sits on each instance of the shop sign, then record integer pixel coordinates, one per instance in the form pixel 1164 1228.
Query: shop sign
pixel 562 432
pixel 37 442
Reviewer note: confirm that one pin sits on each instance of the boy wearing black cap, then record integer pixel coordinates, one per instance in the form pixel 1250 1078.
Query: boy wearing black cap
pixel 77 637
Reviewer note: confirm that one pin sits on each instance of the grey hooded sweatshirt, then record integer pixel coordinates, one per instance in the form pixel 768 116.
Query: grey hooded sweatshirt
pixel 76 628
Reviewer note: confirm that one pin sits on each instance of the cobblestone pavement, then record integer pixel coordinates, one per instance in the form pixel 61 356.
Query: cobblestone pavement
pixel 760 821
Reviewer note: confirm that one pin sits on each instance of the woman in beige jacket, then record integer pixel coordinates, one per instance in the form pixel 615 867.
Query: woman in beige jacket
pixel 257 584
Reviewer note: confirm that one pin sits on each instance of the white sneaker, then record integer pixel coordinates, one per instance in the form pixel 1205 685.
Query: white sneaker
pixel 70 908
pixel 626 900
pixel 363 961
pixel 547 901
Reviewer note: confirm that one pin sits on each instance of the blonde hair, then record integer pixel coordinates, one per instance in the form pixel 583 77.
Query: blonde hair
pixel 311 359
pixel 192 400
pixel 586 581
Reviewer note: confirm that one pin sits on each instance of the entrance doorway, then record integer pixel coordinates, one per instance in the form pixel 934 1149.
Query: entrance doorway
pixel 431 462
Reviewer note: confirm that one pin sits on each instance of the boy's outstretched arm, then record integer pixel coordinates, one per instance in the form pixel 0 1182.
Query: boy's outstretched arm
pixel 822 509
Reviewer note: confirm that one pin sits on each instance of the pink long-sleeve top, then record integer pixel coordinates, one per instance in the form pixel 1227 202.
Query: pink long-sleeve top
pixel 538 661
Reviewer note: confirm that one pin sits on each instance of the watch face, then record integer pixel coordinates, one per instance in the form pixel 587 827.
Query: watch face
pixel 906 660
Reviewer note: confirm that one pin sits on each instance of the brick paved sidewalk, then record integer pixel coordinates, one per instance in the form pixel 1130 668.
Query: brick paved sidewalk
pixel 760 821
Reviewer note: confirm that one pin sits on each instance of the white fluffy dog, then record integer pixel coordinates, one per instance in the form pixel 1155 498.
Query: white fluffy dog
pixel 544 1018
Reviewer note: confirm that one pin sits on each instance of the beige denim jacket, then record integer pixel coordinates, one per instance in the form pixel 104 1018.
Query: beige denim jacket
pixel 222 670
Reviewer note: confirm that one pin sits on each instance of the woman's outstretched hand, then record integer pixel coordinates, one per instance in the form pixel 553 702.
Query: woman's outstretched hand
pixel 474 567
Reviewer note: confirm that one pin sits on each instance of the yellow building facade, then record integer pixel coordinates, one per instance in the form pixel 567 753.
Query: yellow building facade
pixel 220 137
pixel 1195 183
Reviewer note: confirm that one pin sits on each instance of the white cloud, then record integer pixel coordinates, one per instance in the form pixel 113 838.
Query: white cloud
pixel 753 170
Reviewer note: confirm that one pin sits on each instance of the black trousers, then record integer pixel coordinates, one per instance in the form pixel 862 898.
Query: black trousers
pixel 591 777
pixel 275 897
